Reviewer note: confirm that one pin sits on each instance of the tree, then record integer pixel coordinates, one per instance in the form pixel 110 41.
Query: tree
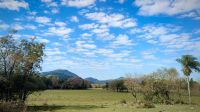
pixel 189 63
pixel 117 85
pixel 132 85
pixel 20 61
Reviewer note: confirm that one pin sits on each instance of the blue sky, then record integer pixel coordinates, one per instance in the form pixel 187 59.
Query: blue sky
pixel 107 39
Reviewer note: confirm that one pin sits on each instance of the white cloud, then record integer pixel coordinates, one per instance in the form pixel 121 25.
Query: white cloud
pixel 55 11
pixel 122 40
pixel 83 44
pixel 148 55
pixel 168 7
pixel 53 4
pixel 43 19
pixel 50 3
pixel 112 20
pixel 193 15
pixel 46 1
pixel 32 13
pixel 29 26
pixel 78 3
pixel 100 30
pixel 74 19
pixel 86 35
pixel 121 1
pixel 57 44
pixel 88 26
pixel 13 4
pixel 3 26
pixel 153 31
pixel 53 51
pixel 59 31
pixel 60 23
pixel 197 31
pixel 102 0
pixel 42 40
pixel 18 26
pixel 111 54
pixel 105 36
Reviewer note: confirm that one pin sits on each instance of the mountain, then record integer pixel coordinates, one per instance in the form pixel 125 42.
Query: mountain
pixel 62 74
pixel 92 80
pixel 96 81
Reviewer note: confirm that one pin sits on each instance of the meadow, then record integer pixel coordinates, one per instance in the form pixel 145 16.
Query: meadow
pixel 97 100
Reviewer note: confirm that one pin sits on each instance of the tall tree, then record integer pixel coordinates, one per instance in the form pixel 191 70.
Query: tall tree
pixel 20 61
pixel 189 63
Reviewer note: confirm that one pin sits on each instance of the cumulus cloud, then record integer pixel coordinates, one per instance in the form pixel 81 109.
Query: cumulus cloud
pixel 168 7
pixel 55 11
pixel 53 51
pixel 3 25
pixel 74 19
pixel 60 23
pixel 112 20
pixel 169 37
pixel 46 1
pixel 78 3
pixel 83 44
pixel 30 26
pixel 193 15
pixel 59 31
pixel 122 40
pixel 42 19
pixel 13 4
pixel 43 40
pixel 50 3
pixel 148 54
pixel 88 26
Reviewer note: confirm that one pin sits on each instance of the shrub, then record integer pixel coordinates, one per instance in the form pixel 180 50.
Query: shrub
pixel 12 107
pixel 146 105
pixel 123 101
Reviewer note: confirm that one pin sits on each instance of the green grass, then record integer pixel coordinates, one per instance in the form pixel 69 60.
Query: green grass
pixel 96 100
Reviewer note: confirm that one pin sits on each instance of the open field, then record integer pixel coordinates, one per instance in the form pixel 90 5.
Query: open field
pixel 96 100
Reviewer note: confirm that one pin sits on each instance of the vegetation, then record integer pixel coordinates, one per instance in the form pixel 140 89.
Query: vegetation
pixel 158 87
pixel 117 85
pixel 19 72
pixel 20 62
pixel 99 100
pixel 189 63
pixel 19 77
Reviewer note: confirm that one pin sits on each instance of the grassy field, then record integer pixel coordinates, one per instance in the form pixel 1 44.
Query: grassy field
pixel 96 100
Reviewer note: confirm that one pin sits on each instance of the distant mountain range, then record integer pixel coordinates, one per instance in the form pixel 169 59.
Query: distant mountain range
pixel 65 74
pixel 96 81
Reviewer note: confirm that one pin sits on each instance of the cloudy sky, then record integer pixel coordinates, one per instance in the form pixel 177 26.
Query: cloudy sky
pixel 106 39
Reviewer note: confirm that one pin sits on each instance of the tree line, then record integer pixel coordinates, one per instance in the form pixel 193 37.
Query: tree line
pixel 162 86
pixel 20 65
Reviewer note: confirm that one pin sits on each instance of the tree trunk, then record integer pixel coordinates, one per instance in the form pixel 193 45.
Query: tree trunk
pixel 188 83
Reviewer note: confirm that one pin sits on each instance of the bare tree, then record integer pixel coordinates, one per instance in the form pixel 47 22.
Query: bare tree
pixel 132 85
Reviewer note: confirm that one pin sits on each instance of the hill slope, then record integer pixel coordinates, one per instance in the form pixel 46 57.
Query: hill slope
pixel 62 74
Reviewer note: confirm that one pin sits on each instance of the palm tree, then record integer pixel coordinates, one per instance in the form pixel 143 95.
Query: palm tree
pixel 189 63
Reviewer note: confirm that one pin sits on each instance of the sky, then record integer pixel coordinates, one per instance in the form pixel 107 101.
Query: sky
pixel 107 39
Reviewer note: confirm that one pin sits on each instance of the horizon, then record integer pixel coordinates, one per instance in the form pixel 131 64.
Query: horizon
pixel 107 39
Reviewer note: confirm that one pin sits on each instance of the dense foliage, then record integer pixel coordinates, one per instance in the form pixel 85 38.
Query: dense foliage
pixel 19 72
pixel 20 63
